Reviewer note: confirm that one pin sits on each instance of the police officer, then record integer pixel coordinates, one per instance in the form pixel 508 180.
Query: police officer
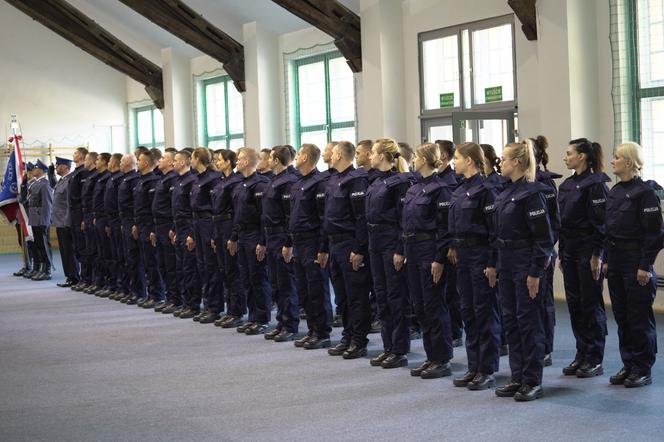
pixel 633 240
pixel 275 222
pixel 426 242
pixel 88 254
pixel 185 253
pixel 143 197
pixel 75 210
pixel 247 242
pixel 39 216
pixel 524 241
pixel 582 200
pixel 116 275
pixel 133 265
pixel 62 222
pixel 162 214
pixel 265 163
pixel 27 270
pixel 100 222
pixel 546 177
pixel 383 208
pixel 304 244
pixel 471 225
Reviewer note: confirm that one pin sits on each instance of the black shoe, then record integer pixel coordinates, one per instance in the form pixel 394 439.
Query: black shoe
pixel 548 360
pixel 508 390
pixel 458 342
pixel 256 329
pixel 528 393
pixel 43 276
pixel 464 380
pixel 299 343
pixel 376 326
pixel 209 318
pixel 219 322
pixel 188 314
pixel 415 334
pixel 337 321
pixel 21 272
pixel 636 380
pixel 134 300
pixel 178 311
pixel 169 309
pixel 242 328
pixel 395 361
pixel 117 296
pixel 198 317
pixel 160 308
pixel 91 290
pixel 150 304
pixel 589 370
pixel 338 349
pixel 504 350
pixel 418 371
pixel 272 334
pixel 619 378
pixel 79 287
pixel 314 343
pixel 285 336
pixel 571 369
pixel 141 301
pixel 437 370
pixel 104 293
pixel 125 299
pixel 30 273
pixel 354 352
pixel 482 382
pixel 233 322
pixel 64 285
pixel 378 360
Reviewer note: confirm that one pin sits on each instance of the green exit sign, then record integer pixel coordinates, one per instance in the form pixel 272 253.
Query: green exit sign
pixel 447 100
pixel 493 94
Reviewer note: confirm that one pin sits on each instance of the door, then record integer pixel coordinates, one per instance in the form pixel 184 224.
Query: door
pixel 495 128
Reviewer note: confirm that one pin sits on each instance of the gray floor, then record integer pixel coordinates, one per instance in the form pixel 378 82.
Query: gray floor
pixel 77 367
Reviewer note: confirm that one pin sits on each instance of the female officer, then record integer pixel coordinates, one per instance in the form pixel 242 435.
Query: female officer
pixel 582 199
pixel 633 239
pixel 426 240
pixel 523 238
pixel 546 177
pixel 492 168
pixel 471 226
pixel 383 209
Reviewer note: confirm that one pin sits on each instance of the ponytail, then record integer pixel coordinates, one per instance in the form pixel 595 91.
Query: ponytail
pixel 540 145
pixel 524 153
pixel 390 149
pixel 474 152
pixel 492 160
pixel 593 152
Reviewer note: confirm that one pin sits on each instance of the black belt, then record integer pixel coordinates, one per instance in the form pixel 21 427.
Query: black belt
pixel 339 237
pixel 514 244
pixel 301 236
pixel 223 217
pixel 473 241
pixel 275 230
pixel 416 237
pixel 626 245
pixel 381 227
pixel 162 220
pixel 206 214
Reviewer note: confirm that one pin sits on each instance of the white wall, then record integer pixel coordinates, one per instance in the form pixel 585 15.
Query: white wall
pixel 59 93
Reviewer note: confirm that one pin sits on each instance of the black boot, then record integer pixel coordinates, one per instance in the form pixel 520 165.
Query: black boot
pixel 35 276
pixel 45 274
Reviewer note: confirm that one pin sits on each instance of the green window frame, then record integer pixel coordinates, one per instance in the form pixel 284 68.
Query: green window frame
pixel 227 83
pixel 329 125
pixel 154 143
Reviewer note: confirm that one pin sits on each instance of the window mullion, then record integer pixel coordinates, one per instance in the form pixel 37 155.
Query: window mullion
pixel 328 107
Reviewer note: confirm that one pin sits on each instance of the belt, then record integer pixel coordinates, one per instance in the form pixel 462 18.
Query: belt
pixel 381 227
pixel 339 237
pixel 416 237
pixel 472 241
pixel 275 230
pixel 205 214
pixel 300 236
pixel 223 217
pixel 162 220
pixel 625 244
pixel 514 244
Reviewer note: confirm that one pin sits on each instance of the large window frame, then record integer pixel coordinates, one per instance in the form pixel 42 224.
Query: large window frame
pixel 152 109
pixel 228 137
pixel 328 126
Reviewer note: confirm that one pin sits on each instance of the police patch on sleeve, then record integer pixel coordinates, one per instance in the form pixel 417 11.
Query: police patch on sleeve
pixel 599 201
pixel 536 213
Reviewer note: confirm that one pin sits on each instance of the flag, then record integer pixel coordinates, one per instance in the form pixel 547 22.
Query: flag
pixel 10 206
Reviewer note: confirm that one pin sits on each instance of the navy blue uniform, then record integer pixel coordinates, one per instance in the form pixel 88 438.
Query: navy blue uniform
pixel 247 205
pixel 116 279
pixel 582 200
pixel 162 214
pixel 103 241
pixel 186 267
pixel 346 228
pixel 384 203
pixel 306 238
pixel 546 284
pixel 471 226
pixel 89 252
pixel 133 264
pixel 276 198
pixel 78 178
pixel 633 240
pixel 524 241
pixel 144 191
pixel 426 239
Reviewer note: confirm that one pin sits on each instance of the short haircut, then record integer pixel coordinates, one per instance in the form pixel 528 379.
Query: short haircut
pixel 446 148
pixel 140 150
pixel 312 151
pixel 266 150
pixel 184 153
pixel 117 157
pixel 251 153
pixel 150 157
pixel 105 157
pixel 82 150
pixel 93 155
pixel 189 149
pixel 347 150
pixel 364 144
pixel 282 154
pixel 156 153
pixel 202 154
pixel 171 150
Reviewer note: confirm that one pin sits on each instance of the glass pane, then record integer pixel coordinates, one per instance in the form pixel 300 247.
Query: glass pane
pixel 651 43
pixel 441 71
pixel 319 138
pixel 235 110
pixel 236 143
pixel 342 91
pixel 440 133
pixel 493 62
pixel 465 48
pixel 144 127
pixel 158 126
pixel 311 93
pixel 217 144
pixel 344 134
pixel 493 132
pixel 215 110
pixel 652 136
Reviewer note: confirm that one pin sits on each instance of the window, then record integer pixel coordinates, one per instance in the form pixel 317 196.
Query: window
pixel 149 127
pixel 324 100
pixel 223 114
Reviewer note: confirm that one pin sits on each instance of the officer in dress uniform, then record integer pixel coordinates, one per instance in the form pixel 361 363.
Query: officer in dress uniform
pixel 383 205
pixel 28 270
pixel 264 166
pixel 303 245
pixel 100 222
pixel 524 241
pixel 582 200
pixel 78 177
pixel 116 279
pixel 426 241
pixel 247 241
pixel 62 222
pixel 633 239
pixel 89 252
pixel 39 216
pixel 275 223
pixel 185 254
pixel 471 225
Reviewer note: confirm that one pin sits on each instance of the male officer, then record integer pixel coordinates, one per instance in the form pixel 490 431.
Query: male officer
pixel 89 251
pixel 143 195
pixel 62 222
pixel 39 215
pixel 303 245
pixel 116 280
pixel 265 163
pixel 28 269
pixel 100 222
pixel 346 229
pixel 78 177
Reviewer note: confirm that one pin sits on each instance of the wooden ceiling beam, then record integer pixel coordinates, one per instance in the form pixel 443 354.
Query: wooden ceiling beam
pixel 190 26
pixel 526 11
pixel 333 18
pixel 76 27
